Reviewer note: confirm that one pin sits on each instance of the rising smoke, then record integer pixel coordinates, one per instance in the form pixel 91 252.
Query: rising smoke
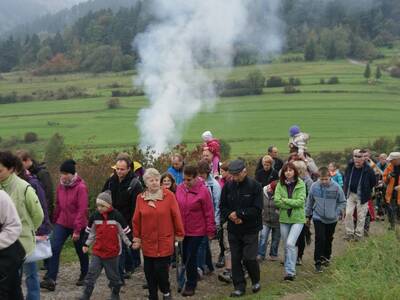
pixel 185 37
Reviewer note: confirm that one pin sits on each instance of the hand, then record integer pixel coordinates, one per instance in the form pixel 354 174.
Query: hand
pixel 269 190
pixel 210 237
pixel 238 221
pixel 135 245
pixel 42 237
pixel 179 238
pixel 85 249
pixel 233 216
pixel 75 236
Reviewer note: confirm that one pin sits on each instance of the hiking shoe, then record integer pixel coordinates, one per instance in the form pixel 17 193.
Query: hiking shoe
pixel 237 293
pixel 81 280
pixel 348 237
pixel 289 277
pixel 221 262
pixel 299 262
pixel 48 284
pixel 226 277
pixel 187 292
pixel 318 268
pixel 256 287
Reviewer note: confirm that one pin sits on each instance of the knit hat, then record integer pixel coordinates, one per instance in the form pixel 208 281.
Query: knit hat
pixel 207 135
pixel 68 166
pixel 104 198
pixel 295 129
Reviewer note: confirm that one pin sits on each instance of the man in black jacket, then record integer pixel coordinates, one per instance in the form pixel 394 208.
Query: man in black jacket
pixel 125 186
pixel 359 180
pixel 241 204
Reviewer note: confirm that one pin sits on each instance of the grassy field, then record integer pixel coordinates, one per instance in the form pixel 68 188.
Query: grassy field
pixel 351 113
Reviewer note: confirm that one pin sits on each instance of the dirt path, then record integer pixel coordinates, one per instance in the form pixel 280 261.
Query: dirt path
pixel 356 62
pixel 209 287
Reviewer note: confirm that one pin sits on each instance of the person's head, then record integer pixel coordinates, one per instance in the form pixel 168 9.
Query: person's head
pixel 383 158
pixel 224 170
pixel 67 171
pixel 273 151
pixel 8 164
pixel 122 167
pixel 332 167
pixel 177 161
pixel 294 130
pixel 288 172
pixel 203 168
pixel 358 158
pixel 189 175
pixel 207 156
pixel 104 201
pixel 324 176
pixel 151 179
pixel 293 148
pixel 207 136
pixel 25 157
pixel 168 181
pixel 367 153
pixel 394 158
pixel 267 162
pixel 237 169
pixel 301 168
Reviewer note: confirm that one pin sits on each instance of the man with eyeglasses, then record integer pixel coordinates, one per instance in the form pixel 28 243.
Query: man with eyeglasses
pixel 359 180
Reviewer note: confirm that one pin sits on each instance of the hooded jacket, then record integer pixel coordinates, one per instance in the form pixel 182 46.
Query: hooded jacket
pixel 10 225
pixel 196 209
pixel 291 210
pixel 71 209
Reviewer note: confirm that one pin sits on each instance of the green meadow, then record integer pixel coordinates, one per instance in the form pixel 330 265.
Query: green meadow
pixel 351 113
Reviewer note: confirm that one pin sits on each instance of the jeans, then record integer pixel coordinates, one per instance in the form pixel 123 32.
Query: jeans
pixel 31 281
pixel 204 255
pixel 190 247
pixel 362 209
pixel 60 235
pixel 290 234
pixel 275 237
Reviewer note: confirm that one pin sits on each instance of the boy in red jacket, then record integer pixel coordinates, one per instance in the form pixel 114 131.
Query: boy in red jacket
pixel 106 229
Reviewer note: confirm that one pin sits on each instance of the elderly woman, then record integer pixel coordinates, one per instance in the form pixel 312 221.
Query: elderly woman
pixel 267 173
pixel 156 222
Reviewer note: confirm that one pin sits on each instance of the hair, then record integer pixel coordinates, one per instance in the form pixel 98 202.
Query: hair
pixel 203 167
pixel 9 160
pixel 173 182
pixel 333 164
pixel 151 172
pixel 23 154
pixel 323 172
pixel 288 165
pixel 383 155
pixel 267 158
pixel 269 149
pixel 225 166
pixel 176 155
pixel 190 171
pixel 301 167
pixel 123 156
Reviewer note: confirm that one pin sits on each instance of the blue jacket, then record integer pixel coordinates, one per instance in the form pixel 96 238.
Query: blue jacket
pixel 178 175
pixel 367 182
pixel 215 191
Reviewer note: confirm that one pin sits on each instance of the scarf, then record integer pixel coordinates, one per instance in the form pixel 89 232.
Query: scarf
pixel 71 183
pixel 152 198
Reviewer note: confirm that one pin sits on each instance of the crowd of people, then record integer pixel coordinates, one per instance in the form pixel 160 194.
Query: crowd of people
pixel 172 219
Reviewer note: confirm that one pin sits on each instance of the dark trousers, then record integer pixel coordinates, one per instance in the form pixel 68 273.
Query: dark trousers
pixel 11 260
pixel 392 209
pixel 97 264
pixel 221 243
pixel 156 271
pixel 60 235
pixel 301 243
pixel 190 247
pixel 244 252
pixel 323 240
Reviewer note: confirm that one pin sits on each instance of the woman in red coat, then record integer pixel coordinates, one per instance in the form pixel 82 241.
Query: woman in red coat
pixel 156 222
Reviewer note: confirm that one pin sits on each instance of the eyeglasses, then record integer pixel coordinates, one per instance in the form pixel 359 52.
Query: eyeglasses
pixel 358 156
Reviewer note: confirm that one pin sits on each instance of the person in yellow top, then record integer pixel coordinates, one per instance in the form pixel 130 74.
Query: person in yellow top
pixel 391 177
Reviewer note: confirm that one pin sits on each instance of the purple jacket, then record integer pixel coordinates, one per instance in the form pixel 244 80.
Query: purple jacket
pixel 45 228
pixel 72 205
pixel 196 208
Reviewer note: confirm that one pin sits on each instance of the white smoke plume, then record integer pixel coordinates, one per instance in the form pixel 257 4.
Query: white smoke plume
pixel 186 36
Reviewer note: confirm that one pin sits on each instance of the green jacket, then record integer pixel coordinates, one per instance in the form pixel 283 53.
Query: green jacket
pixel 296 203
pixel 28 207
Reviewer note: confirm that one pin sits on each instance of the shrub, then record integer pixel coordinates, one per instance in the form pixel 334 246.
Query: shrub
pixel 113 103
pixel 240 92
pixel 30 137
pixel 333 80
pixel 275 81
pixel 129 93
pixel 294 81
pixel 225 149
pixel 289 89
pixel 322 81
pixel 255 80
pixel 395 72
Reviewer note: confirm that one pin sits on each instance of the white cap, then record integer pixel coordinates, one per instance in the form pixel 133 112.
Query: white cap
pixel 207 135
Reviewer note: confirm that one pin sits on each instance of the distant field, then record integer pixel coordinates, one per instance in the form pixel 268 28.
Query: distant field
pixel 347 114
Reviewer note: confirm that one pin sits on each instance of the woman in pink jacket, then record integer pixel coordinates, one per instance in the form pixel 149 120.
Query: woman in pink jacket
pixel 197 215
pixel 70 219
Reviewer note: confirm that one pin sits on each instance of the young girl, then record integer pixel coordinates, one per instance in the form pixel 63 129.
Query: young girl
pixel 211 144
pixel 290 194
pixel 167 181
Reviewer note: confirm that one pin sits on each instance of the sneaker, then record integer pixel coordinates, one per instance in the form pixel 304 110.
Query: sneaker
pixel 187 292
pixel 81 280
pixel 260 258
pixel 199 274
pixel 357 238
pixel 318 268
pixel 348 237
pixel 256 287
pixel 325 262
pixel 226 277
pixel 221 262
pixel 167 296
pixel 237 293
pixel 115 293
pixel 48 284
pixel 289 277
pixel 299 262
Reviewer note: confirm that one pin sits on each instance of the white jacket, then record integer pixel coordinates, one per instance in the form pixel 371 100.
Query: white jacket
pixel 10 224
